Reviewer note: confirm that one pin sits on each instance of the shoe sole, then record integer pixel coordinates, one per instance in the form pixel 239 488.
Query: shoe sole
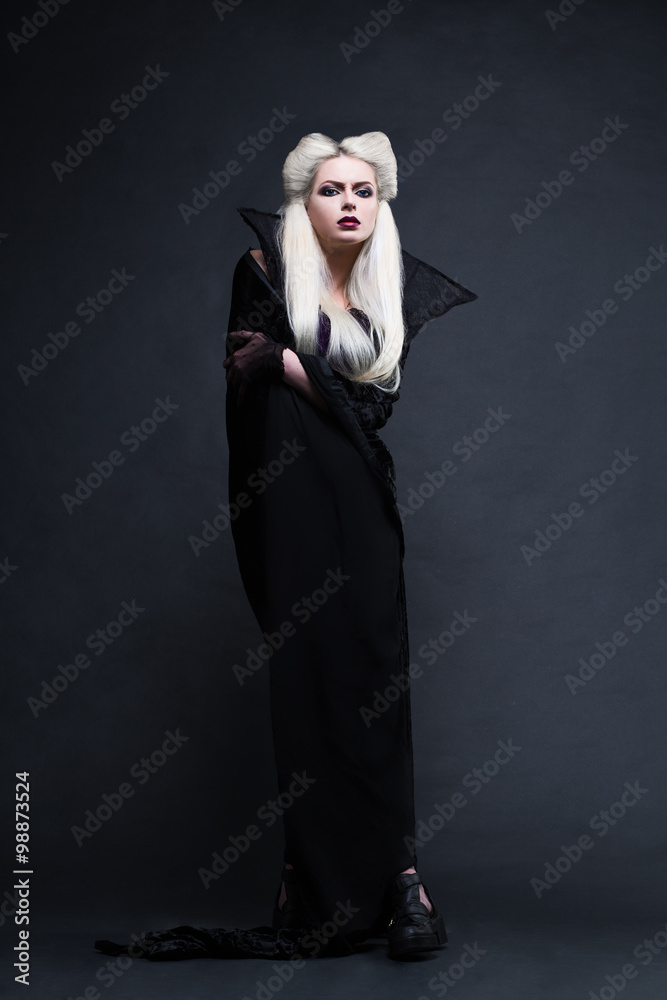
pixel 427 942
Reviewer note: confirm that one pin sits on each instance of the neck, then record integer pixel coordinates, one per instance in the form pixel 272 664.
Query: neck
pixel 340 261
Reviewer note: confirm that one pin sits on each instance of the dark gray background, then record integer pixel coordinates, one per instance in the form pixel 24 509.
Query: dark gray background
pixel 164 337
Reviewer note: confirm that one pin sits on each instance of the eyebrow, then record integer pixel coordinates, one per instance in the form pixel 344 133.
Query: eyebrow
pixel 356 184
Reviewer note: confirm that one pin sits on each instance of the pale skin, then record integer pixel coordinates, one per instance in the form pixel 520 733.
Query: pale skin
pixel 343 186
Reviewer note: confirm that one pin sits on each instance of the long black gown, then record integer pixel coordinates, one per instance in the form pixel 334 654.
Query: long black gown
pixel 329 522
pixel 320 547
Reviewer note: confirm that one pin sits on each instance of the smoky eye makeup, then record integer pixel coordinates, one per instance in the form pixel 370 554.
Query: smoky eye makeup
pixel 366 190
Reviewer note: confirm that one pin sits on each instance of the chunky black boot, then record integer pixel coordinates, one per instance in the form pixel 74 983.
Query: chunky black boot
pixel 292 914
pixel 412 928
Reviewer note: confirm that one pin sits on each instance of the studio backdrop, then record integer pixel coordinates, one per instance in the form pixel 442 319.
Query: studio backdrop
pixel 529 443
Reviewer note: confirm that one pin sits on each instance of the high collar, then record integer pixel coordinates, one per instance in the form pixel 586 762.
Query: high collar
pixel 427 292
pixel 264 225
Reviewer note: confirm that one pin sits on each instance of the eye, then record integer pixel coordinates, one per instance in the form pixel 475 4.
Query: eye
pixel 364 192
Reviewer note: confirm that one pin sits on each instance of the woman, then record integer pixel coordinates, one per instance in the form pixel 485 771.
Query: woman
pixel 321 321
pixel 319 333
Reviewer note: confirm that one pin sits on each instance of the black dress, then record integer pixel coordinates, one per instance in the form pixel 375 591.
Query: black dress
pixel 319 543
pixel 320 550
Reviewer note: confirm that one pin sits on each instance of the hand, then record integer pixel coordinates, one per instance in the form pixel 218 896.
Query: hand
pixel 255 357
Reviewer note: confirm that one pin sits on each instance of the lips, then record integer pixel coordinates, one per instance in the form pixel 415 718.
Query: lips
pixel 348 222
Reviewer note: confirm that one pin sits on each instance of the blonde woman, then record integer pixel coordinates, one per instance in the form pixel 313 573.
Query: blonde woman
pixel 322 317
pixel 321 321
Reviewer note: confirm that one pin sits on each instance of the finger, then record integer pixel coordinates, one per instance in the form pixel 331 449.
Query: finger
pixel 237 338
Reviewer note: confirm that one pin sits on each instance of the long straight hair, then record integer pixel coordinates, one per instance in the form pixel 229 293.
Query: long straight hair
pixel 375 284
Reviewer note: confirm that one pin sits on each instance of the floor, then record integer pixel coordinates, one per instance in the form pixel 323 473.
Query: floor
pixel 500 947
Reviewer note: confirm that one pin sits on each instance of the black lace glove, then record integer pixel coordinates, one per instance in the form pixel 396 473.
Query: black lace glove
pixel 255 358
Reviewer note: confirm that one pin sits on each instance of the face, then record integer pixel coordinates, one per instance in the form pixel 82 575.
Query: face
pixel 344 188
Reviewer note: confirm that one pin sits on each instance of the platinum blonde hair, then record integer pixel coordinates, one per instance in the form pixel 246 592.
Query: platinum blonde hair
pixel 375 284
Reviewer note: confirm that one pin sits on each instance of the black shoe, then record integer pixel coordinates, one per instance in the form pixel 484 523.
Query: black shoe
pixel 292 913
pixel 412 928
